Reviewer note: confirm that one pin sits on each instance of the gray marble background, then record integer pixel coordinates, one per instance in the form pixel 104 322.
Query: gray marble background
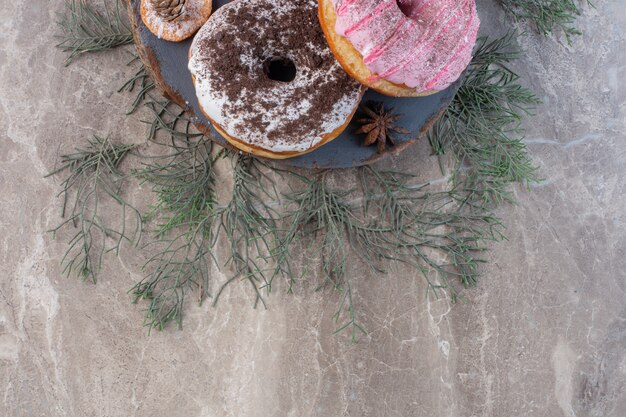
pixel 544 334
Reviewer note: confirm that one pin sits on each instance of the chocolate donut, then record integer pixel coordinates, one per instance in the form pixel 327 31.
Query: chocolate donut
pixel 266 79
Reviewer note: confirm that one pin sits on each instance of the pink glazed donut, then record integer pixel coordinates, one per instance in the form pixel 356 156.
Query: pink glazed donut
pixel 401 48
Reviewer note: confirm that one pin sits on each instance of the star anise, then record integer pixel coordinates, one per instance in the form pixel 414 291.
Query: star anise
pixel 379 124
pixel 169 10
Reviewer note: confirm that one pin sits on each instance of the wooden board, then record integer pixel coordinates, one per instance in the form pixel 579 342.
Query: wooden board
pixel 167 63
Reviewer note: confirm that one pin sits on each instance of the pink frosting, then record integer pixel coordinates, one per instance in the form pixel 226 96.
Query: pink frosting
pixel 424 44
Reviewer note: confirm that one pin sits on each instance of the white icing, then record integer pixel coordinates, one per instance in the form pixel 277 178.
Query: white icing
pixel 283 109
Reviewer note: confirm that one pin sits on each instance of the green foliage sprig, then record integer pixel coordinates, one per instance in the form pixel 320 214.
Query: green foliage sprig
pixel 140 83
pixel 85 29
pixel 185 245
pixel 248 224
pixel 481 127
pixel 546 15
pixel 182 249
pixel 93 173
pixel 399 222
pixel 183 179
pixel 191 221
pixel 324 215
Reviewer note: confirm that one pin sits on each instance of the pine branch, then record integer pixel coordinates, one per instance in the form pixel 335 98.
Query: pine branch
pixel 482 125
pixel 140 83
pixel 84 29
pixel 93 173
pixel 436 232
pixel 247 222
pixel 168 118
pixel 322 214
pixel 179 265
pixel 417 225
pixel 184 181
pixel 546 16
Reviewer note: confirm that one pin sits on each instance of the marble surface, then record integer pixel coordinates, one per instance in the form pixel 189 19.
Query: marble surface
pixel 544 334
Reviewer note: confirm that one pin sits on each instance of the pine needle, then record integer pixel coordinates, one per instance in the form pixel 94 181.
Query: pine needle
pixel 180 264
pixel 93 173
pixel 84 29
pixel 546 16
pixel 435 232
pixel 184 182
pixel 170 119
pixel 247 222
pixel 323 213
pixel 482 129
pixel 140 83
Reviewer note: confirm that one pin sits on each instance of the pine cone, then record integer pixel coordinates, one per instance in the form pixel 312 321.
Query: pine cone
pixel 169 10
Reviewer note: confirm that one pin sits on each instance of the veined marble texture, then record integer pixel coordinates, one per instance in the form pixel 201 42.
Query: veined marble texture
pixel 544 334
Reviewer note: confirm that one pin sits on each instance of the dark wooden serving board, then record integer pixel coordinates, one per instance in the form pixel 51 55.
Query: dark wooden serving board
pixel 167 63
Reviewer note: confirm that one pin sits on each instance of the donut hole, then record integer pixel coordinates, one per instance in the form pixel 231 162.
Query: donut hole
pixel 406 7
pixel 279 69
